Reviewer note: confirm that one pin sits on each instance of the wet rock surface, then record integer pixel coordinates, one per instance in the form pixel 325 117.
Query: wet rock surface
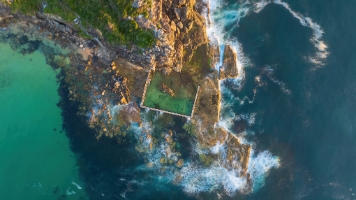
pixel 165 89
pixel 229 67
pixel 107 86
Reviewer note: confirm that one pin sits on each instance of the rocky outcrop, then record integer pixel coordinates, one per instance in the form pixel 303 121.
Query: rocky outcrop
pixel 229 67
pixel 206 117
pixel 107 86
pixel 178 26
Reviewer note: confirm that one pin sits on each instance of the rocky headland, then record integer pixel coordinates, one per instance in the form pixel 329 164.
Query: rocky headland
pixel 107 80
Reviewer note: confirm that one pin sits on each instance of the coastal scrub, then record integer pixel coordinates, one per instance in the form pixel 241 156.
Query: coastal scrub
pixel 113 18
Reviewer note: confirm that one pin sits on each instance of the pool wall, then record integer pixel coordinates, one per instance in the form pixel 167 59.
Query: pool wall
pixel 148 81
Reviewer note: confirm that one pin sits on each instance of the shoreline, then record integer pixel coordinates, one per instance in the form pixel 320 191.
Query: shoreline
pixel 106 89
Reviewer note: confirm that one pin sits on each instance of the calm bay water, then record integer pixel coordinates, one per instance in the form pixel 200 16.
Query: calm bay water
pixel 36 161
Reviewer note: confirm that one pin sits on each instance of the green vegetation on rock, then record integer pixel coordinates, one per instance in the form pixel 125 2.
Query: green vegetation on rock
pixel 114 18
pixel 190 128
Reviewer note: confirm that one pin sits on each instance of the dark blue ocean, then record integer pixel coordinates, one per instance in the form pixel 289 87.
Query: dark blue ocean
pixel 304 104
pixel 294 99
pixel 293 102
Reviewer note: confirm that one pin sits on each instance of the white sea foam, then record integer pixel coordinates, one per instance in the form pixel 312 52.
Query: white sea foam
pixel 77 185
pixel 69 192
pixel 259 166
pixel 198 179
pixel 250 118
pixel 216 149
pixel 224 19
pixel 195 177
pixel 206 179
pixel 261 5
pixel 318 32
pixel 268 70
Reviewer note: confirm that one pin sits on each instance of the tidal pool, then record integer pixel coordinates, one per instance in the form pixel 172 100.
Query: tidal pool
pixel 36 160
pixel 183 99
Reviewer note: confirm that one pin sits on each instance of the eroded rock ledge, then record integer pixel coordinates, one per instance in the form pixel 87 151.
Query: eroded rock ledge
pixel 109 83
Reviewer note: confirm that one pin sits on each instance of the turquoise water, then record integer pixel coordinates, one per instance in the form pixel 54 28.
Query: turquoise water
pixel 294 100
pixel 36 161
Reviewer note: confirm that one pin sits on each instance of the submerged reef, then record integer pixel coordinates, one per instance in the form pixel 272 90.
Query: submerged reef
pixel 104 83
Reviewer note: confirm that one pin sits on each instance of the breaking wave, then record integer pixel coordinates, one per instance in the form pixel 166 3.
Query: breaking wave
pixel 195 178
pixel 223 19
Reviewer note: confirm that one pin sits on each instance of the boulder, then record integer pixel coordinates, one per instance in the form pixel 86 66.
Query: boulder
pixel 181 2
pixel 177 12
pixel 173 26
pixel 180 163
pixel 229 68
pixel 185 13
pixel 180 25
pixel 165 89
pixel 138 3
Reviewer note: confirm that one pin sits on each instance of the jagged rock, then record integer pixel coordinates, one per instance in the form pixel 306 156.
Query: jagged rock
pixel 229 68
pixel 181 2
pixel 180 163
pixel 156 10
pixel 160 35
pixel 173 26
pixel 138 3
pixel 184 13
pixel 180 25
pixel 144 23
pixel 189 24
pixel 166 71
pixel 177 12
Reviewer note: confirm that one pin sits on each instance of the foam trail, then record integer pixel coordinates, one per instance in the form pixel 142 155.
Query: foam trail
pixel 77 185
pixel 223 20
pixel 269 72
pixel 317 33
pixel 261 5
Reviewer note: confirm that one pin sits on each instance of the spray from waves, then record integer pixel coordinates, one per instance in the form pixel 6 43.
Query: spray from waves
pixel 193 176
pixel 259 166
pixel 219 18
pixel 196 179
pixel 318 32
pixel 225 18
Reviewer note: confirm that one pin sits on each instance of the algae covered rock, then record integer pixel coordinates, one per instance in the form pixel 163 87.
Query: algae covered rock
pixel 180 163
pixel 165 89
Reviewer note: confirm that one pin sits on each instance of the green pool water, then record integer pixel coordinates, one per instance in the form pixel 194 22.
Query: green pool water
pixel 182 101
pixel 35 158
